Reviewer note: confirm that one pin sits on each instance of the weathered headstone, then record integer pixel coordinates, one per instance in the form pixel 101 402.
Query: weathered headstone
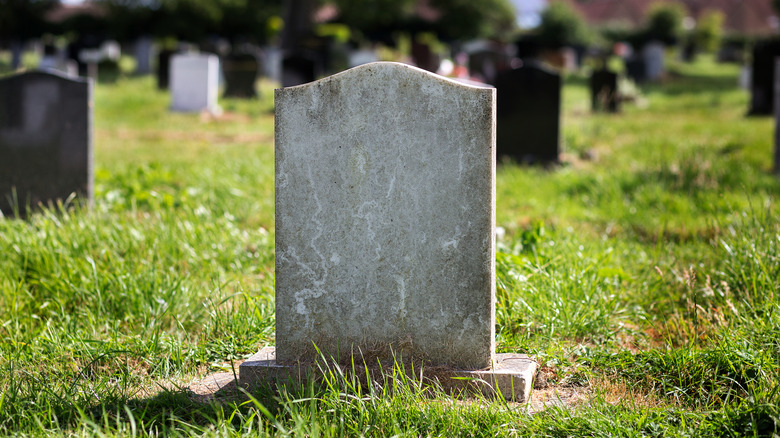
pixel 763 74
pixel 604 94
pixel 240 71
pixel 653 54
pixel 45 140
pixel 194 82
pixel 529 114
pixel 385 210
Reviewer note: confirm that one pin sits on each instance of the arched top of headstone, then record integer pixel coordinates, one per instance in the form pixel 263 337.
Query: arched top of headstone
pixel 54 74
pixel 388 71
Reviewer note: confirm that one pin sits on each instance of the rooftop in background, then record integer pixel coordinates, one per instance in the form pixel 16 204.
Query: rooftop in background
pixel 746 17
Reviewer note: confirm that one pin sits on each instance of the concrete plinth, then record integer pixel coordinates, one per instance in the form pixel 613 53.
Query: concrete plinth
pixel 513 375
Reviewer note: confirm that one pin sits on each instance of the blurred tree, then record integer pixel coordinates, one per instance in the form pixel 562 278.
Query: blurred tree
pixel 665 22
pixel 709 31
pixel 370 16
pixel 249 19
pixel 23 19
pixel 561 25
pixel 468 19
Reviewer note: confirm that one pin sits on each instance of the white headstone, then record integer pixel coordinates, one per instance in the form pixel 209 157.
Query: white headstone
pixel 385 211
pixel 194 82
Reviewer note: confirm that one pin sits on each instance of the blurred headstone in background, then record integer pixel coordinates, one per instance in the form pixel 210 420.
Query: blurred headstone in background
pixel 240 71
pixel 143 55
pixel 763 76
pixel 653 55
pixel 194 83
pixel 776 96
pixel 45 140
pixel 164 68
pixel 529 113
pixel 604 95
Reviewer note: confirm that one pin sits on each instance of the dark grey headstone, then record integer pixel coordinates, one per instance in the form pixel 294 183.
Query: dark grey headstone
pixel 45 139
pixel 529 114
pixel 604 94
pixel 164 68
pixel 762 80
pixel 240 71
pixel 636 69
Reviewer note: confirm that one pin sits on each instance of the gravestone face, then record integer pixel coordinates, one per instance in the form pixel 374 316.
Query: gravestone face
pixel 653 55
pixel 385 210
pixel 194 82
pixel 240 71
pixel 45 139
pixel 529 113
pixel 762 80
pixel 604 91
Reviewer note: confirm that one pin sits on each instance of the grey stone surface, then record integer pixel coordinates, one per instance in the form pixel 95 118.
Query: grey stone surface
pixel 511 374
pixel 45 139
pixel 653 54
pixel 385 212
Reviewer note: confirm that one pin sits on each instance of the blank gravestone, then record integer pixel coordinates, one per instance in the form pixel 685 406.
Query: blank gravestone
pixel 45 140
pixel 653 54
pixel 385 211
pixel 164 68
pixel 529 113
pixel 604 94
pixel 194 83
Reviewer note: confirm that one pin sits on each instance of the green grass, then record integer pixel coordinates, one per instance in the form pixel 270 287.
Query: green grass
pixel 643 274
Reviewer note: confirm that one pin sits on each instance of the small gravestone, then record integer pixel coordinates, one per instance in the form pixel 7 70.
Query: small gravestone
pixel 194 83
pixel 240 71
pixel 529 113
pixel 653 55
pixel 164 68
pixel 604 94
pixel 45 140
pixel 143 55
pixel 763 74
pixel 385 210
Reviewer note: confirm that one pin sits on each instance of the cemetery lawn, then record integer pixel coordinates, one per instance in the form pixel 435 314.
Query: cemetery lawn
pixel 643 275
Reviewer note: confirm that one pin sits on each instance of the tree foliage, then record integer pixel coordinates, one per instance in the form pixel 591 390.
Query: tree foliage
pixel 467 19
pixel 561 25
pixel 709 31
pixel 23 19
pixel 665 22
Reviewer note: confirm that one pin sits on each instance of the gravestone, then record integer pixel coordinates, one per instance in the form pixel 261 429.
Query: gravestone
pixel 143 55
pixel 45 140
pixel 604 94
pixel 385 221
pixel 240 71
pixel 762 79
pixel 529 113
pixel 194 83
pixel 164 68
pixel 653 54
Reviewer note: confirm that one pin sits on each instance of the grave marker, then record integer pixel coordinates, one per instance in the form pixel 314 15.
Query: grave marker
pixel 385 212
pixel 653 54
pixel 604 94
pixel 762 79
pixel 240 71
pixel 529 113
pixel 194 82
pixel 45 139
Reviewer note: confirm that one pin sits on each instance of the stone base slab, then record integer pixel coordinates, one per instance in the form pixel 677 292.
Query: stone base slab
pixel 513 375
